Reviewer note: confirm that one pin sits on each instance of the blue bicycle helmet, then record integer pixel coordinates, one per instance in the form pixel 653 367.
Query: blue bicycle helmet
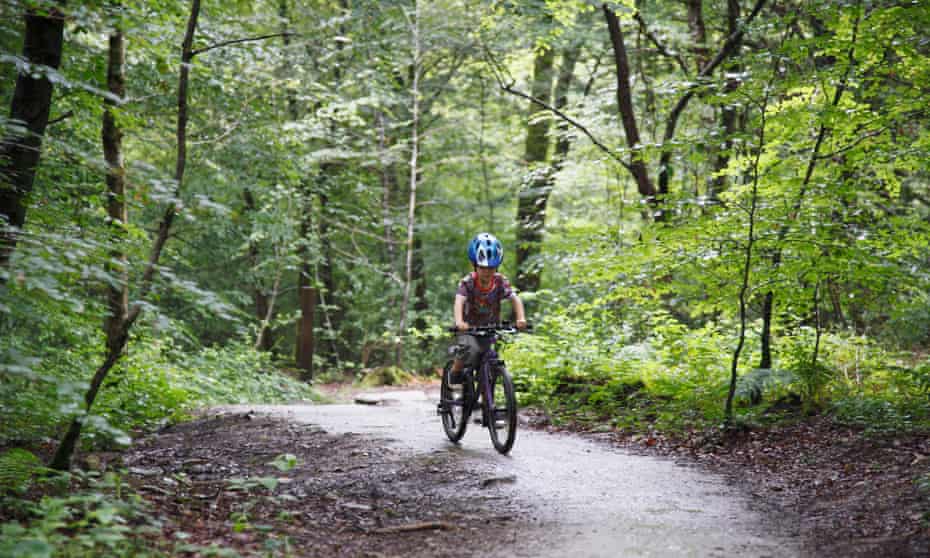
pixel 485 250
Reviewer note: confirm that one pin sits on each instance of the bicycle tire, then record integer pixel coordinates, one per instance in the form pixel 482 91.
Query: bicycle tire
pixel 502 411
pixel 454 411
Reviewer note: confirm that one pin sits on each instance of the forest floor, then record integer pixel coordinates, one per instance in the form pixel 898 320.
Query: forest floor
pixel 347 495
pixel 851 494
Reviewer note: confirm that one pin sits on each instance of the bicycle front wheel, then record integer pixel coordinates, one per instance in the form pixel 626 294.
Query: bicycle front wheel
pixel 452 406
pixel 502 411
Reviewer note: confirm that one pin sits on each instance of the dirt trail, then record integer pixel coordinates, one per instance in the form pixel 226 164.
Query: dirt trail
pixel 555 495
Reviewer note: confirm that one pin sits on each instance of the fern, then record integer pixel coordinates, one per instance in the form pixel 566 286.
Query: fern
pixel 754 384
pixel 17 469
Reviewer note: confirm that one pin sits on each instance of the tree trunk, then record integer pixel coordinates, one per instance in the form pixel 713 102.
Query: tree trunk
pixel 305 343
pixel 414 176
pixel 698 32
pixel 765 360
pixel 264 340
pixel 802 194
pixel 388 186
pixel 306 295
pixel 625 106
pixel 332 313
pixel 112 139
pixel 421 303
pixel 531 205
pixel 32 101
pixel 727 113
pixel 305 340
pixel 747 266
pixel 562 85
pixel 62 457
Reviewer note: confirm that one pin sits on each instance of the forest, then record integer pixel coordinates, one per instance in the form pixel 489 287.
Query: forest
pixel 717 212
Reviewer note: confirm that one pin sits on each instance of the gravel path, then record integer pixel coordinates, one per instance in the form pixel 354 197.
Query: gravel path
pixel 569 496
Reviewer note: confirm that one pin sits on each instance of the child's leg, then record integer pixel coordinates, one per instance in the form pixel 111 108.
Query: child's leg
pixel 464 351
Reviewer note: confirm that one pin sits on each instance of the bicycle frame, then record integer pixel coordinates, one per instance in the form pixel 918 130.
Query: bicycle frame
pixel 481 383
pixel 488 359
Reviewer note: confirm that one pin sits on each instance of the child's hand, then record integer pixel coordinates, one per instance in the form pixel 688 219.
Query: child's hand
pixel 462 326
pixel 521 324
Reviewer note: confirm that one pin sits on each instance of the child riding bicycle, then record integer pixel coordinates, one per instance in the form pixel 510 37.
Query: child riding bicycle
pixel 478 302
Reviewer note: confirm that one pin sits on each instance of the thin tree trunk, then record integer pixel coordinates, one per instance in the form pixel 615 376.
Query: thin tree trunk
pixel 625 105
pixel 306 297
pixel 31 104
pixel 307 294
pixel 414 175
pixel 530 215
pixel 265 339
pixel 485 178
pixel 698 32
pixel 388 186
pixel 421 302
pixel 112 139
pixel 730 47
pixel 727 113
pixel 562 86
pixel 305 340
pixel 802 193
pixel 747 266
pixel 534 200
pixel 332 316
pixel 765 360
pixel 62 457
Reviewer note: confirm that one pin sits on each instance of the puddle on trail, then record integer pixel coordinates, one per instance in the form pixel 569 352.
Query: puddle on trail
pixel 580 498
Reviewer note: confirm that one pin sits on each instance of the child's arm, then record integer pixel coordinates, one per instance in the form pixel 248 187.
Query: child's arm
pixel 458 311
pixel 518 310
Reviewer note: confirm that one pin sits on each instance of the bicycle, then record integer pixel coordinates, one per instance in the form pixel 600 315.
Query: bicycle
pixel 492 391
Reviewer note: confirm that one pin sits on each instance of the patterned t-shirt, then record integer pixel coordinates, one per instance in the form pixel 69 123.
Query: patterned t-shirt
pixel 483 307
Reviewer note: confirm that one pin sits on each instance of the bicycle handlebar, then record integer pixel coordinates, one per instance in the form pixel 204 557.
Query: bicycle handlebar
pixel 505 327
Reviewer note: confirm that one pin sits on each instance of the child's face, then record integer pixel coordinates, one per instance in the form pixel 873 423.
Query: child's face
pixel 485 274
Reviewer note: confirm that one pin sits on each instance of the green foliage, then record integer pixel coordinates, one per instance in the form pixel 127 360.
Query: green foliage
pixel 285 462
pixel 18 468
pixel 298 162
pixel 158 382
pixel 97 516
pixel 670 381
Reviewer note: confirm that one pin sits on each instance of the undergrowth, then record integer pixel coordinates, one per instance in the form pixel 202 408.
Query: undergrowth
pixel 50 514
pixel 676 378
pixel 156 383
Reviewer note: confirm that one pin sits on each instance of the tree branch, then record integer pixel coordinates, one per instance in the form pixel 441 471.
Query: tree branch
pixel 237 41
pixel 725 51
pixel 568 119
pixel 659 46
pixel 499 77
pixel 64 116
pixel 851 145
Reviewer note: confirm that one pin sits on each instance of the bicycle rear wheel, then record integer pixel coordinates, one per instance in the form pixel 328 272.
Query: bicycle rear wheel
pixel 452 406
pixel 502 411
